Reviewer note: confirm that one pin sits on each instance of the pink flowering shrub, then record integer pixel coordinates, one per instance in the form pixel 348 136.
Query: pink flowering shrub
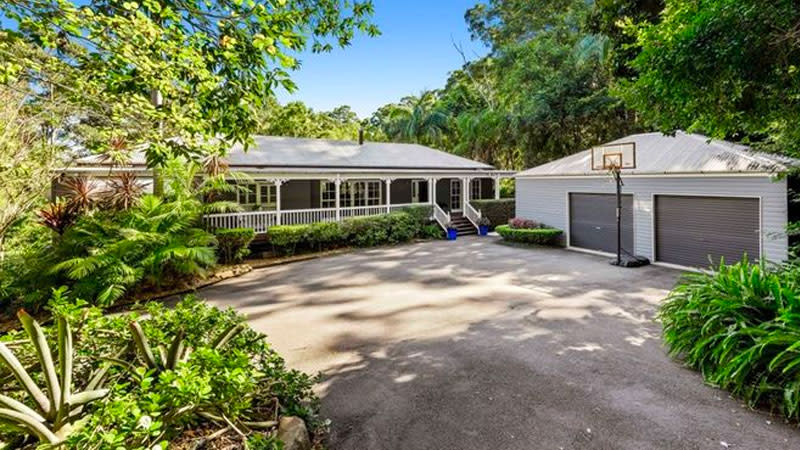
pixel 523 224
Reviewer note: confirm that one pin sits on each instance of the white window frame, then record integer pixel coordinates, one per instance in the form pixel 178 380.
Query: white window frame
pixel 352 193
pixel 475 189
pixel 262 188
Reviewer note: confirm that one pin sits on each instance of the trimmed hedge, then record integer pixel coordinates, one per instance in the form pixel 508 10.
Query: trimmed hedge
pixel 541 236
pixel 233 244
pixel 393 228
pixel 497 211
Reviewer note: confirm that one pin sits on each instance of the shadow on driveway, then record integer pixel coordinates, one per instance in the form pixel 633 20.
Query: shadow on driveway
pixel 477 345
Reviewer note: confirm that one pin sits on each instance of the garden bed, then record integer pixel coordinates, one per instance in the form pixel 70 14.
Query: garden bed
pixel 540 236
pixel 213 381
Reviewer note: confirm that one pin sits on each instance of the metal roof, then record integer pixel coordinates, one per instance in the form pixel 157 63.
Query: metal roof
pixel 684 153
pixel 274 151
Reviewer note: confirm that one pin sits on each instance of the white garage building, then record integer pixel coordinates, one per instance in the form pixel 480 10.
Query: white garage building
pixel 687 201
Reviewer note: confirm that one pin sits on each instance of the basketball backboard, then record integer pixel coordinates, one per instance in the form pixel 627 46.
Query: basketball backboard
pixel 614 156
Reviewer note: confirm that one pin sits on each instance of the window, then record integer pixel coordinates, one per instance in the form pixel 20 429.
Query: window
pixel 258 194
pixel 268 194
pixel 373 193
pixel 248 195
pixel 475 192
pixel 351 193
pixel 327 196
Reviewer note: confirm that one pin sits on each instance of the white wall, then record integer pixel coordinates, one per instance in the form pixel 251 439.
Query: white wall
pixel 545 200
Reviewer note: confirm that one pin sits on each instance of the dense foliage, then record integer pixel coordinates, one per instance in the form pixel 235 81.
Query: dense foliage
pixel 497 211
pixel 386 229
pixel 740 326
pixel 541 236
pixel 216 373
pixel 725 68
pixel 233 244
pixel 295 119
pixel 184 78
pixel 104 256
pixel 108 244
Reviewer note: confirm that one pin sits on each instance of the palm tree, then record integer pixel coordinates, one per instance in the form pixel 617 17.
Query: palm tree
pixel 417 119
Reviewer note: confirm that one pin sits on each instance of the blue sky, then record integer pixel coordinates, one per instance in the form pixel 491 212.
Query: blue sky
pixel 415 52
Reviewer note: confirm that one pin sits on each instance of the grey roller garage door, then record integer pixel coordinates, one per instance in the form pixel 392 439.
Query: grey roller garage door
pixel 593 222
pixel 690 230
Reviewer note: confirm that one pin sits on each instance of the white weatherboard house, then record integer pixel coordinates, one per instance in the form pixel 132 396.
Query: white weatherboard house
pixel 298 181
pixel 689 201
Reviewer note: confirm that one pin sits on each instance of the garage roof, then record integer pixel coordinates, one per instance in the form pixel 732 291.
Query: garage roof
pixel 276 151
pixel 683 153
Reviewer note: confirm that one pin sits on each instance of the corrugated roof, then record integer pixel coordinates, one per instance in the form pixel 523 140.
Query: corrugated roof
pixel 683 153
pixel 273 151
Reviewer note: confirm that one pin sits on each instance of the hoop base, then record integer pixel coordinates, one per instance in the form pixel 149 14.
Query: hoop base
pixel 630 261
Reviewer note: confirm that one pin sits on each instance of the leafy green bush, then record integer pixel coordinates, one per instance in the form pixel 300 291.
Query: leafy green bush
pixel 233 243
pixel 235 381
pixel 366 231
pixel 324 235
pixel 740 327
pixel 431 231
pixel 107 255
pixel 393 228
pixel 542 236
pixel 498 212
pixel 285 238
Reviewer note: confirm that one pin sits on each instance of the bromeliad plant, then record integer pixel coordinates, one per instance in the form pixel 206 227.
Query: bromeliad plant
pixel 740 326
pixel 56 410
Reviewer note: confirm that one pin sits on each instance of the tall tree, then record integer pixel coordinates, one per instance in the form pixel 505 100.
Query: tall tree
pixel 727 68
pixel 27 156
pixel 416 119
pixel 181 77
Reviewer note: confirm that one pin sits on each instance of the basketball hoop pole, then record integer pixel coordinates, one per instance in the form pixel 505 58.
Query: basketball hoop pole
pixel 618 179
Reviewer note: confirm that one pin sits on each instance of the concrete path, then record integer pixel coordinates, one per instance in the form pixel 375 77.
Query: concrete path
pixel 477 345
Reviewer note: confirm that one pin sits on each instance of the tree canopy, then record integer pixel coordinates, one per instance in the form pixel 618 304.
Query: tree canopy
pixel 726 68
pixel 182 76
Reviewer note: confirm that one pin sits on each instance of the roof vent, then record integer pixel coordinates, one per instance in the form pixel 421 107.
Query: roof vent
pixel 360 136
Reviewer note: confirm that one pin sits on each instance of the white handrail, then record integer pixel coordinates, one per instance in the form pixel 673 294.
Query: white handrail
pixel 472 214
pixel 261 221
pixel 441 217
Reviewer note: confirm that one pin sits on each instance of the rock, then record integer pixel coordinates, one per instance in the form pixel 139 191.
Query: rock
pixel 225 274
pixel 292 431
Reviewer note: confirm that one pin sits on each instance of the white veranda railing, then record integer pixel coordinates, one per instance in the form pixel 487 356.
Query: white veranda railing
pixel 472 214
pixel 260 221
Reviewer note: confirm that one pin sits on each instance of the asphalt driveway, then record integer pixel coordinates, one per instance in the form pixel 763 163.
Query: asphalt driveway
pixel 477 345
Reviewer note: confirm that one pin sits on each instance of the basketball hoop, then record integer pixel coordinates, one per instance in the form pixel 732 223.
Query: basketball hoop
pixel 613 158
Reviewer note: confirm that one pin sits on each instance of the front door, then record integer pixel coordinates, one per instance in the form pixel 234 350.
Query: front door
pixel 455 195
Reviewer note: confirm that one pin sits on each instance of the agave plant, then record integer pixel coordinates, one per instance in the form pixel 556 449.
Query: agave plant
pixel 164 358
pixel 59 215
pixel 56 409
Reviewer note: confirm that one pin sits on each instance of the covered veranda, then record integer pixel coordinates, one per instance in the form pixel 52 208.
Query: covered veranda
pixel 303 197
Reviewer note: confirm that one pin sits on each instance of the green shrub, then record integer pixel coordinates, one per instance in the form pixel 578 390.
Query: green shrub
pixel 245 384
pixel 542 236
pixel 431 231
pixel 740 327
pixel 366 231
pixel 499 212
pixel 324 235
pixel 403 226
pixel 233 244
pixel 107 255
pixel 285 238
pixel 393 228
